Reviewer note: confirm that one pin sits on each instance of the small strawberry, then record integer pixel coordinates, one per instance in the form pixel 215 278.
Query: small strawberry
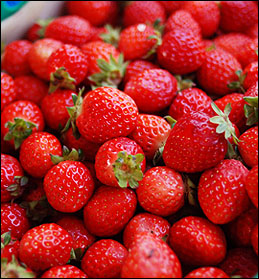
pixel 254 239
pixel 45 246
pixel 197 241
pixel 37 29
pixel 9 246
pixel 64 271
pixel 251 104
pixel 171 6
pixel 8 90
pixel 251 185
pixel 207 272
pixel 109 210
pixel 251 74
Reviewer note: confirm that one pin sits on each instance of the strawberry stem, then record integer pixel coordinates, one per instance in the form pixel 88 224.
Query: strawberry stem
pixel 251 110
pixel 61 79
pixel 112 35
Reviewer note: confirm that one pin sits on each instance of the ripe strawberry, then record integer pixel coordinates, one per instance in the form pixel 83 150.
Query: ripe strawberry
pixel 8 90
pixel 207 272
pixel 145 222
pixel 248 146
pixel 181 52
pixel 64 271
pixel 251 185
pixel 237 16
pixel 19 120
pixel 96 265
pixel 37 30
pixel 251 104
pixel 39 55
pixel 109 210
pixel 197 241
pixel 171 6
pixel 251 72
pixel 253 31
pixel 225 183
pixel 9 246
pixel 45 246
pixel 15 58
pixel 35 153
pixel 254 239
pixel 14 220
pixel 120 162
pixel 151 257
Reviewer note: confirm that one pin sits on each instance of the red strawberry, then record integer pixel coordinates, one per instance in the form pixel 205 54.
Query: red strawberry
pixel 104 259
pixel 254 239
pixel 9 246
pixel 181 52
pixel 64 271
pixel 197 241
pixel 37 29
pixel 45 246
pixel 19 120
pixel 161 191
pixel 39 55
pixel 35 153
pixel 120 162
pixel 8 90
pixel 15 58
pixel 251 72
pixel 109 210
pixel 253 31
pixel 171 6
pixel 151 257
pixel 145 222
pixel 251 104
pixel 207 272
pixel 14 220
pixel 224 183
pixel 251 184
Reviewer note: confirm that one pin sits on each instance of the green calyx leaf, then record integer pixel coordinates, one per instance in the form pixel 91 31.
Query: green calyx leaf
pixel 73 155
pixel 16 189
pixel 61 79
pixel 251 110
pixel 238 84
pixel 5 239
pixel 170 120
pixel 184 83
pixel 158 26
pixel 112 35
pixel 127 169
pixel 190 190
pixel 210 48
pixel 19 130
pixel 158 155
pixel 43 23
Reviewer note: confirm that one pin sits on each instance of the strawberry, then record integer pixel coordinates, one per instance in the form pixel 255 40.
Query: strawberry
pixel 151 257
pixel 224 182
pixel 9 246
pixel 161 191
pixel 145 222
pixel 64 271
pixel 19 120
pixel 251 72
pixel 254 239
pixel 196 241
pixel 104 259
pixel 8 90
pixel 251 185
pixel 45 246
pixel 181 52
pixel 35 153
pixel 37 29
pixel 248 146
pixel 39 55
pixel 69 29
pixel 15 58
pixel 120 162
pixel 14 220
pixel 171 6
pixel 253 31
pixel 251 104
pixel 207 272
pixel 109 210
pixel 143 12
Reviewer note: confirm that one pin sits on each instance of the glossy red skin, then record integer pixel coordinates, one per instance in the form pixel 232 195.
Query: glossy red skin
pixel 161 191
pixel 76 228
pixel 8 90
pixel 14 219
pixel 181 52
pixel 150 133
pixel 35 153
pixel 32 33
pixel 104 259
pixel 39 55
pixel 190 100
pixel 253 90
pixel 69 29
pixel 54 108
pixel 64 271
pixel 108 154
pixel 143 12
pixel 251 185
pixel 30 88
pixel 151 257
pixel 10 167
pixel 134 42
pixel 109 210
pixel 106 113
pixel 145 222
pixel 193 144
pixel 254 239
pixel 207 272
pixel 253 31
pixel 217 71
pixel 153 90
pixel 11 249
pixel 97 13
pixel 240 261
pixel 171 6
pixel 224 182
pixel 248 146
pixel 15 58
pixel 196 241
pixel 251 72
pixel 45 246
pixel 237 16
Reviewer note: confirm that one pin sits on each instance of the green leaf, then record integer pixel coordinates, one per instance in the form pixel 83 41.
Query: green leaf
pixel 7 238
pixel 228 109
pixel 103 65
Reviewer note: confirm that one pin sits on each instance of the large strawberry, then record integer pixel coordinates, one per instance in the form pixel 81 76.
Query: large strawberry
pixel 64 271
pixel 251 184
pixel 253 31
pixel 8 90
pixel 254 239
pixel 207 272
pixel 9 246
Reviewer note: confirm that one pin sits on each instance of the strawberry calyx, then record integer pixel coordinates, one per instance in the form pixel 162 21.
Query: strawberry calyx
pixel 73 155
pixel 61 79
pixel 184 82
pixel 190 190
pixel 127 169
pixel 251 110
pixel 43 23
pixel 238 85
pixel 16 189
pixel 5 239
pixel 19 130
pixel 112 35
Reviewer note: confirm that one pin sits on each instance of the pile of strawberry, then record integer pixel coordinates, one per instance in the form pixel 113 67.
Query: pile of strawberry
pixel 129 142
